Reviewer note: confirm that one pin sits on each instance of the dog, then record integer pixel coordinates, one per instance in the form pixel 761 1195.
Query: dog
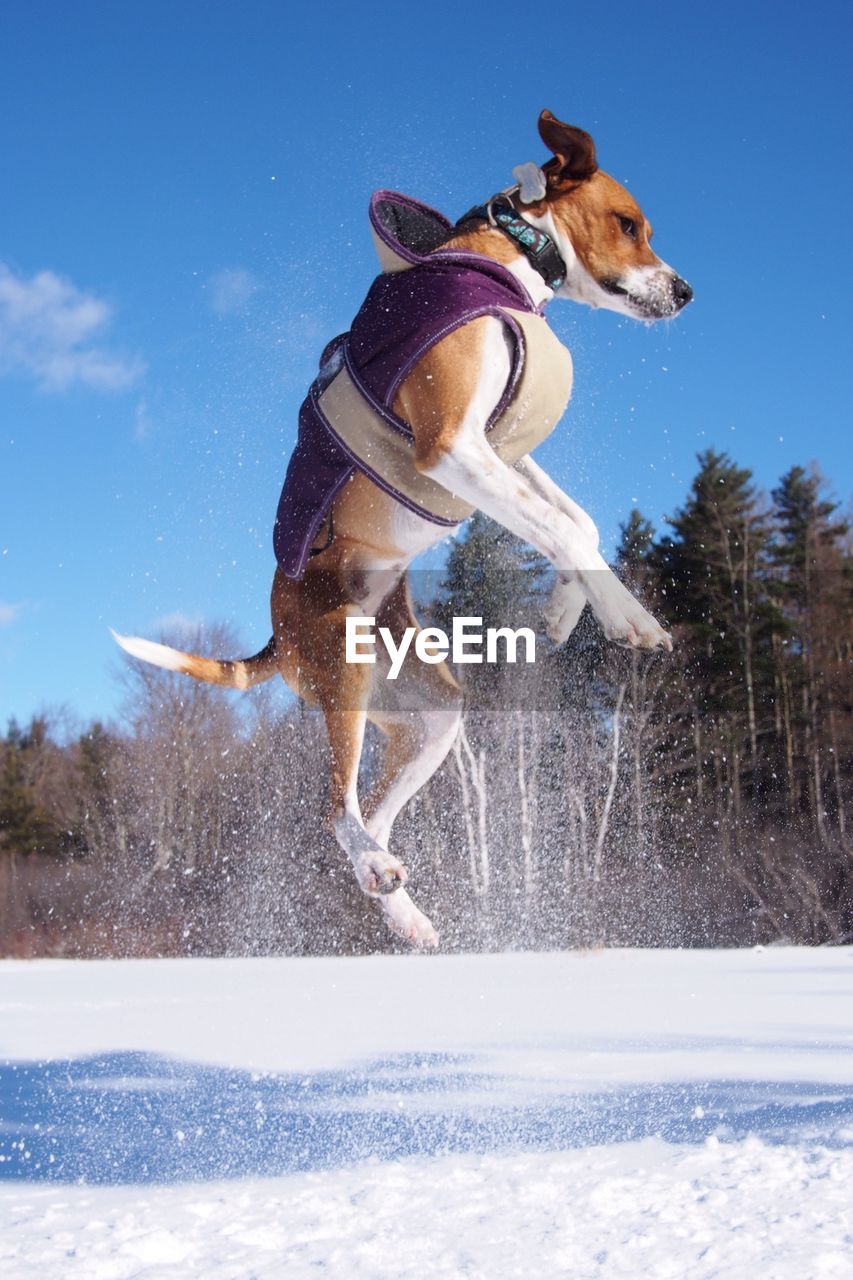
pixel 565 230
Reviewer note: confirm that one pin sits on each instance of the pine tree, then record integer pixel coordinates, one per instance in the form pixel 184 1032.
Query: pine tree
pixel 491 574
pixel 636 540
pixel 715 574
pixel 24 826
pixel 804 522
pixel 814 652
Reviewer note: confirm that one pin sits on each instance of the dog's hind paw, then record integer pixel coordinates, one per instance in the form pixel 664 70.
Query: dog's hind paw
pixel 408 922
pixel 380 873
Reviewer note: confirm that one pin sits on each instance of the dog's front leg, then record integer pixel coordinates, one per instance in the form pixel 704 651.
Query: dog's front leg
pixel 472 470
pixel 546 488
pixel 568 598
pixel 448 399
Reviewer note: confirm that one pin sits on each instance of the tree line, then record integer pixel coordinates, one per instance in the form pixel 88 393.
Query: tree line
pixel 601 796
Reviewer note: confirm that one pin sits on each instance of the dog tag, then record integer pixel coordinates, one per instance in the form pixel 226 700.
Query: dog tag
pixel 531 182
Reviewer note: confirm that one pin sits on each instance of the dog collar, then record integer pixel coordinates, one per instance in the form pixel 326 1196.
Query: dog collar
pixel 537 246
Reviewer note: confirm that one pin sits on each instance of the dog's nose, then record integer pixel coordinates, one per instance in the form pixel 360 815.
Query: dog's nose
pixel 681 292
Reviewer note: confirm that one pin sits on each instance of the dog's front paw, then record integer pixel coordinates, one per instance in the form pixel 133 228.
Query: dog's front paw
pixel 623 619
pixel 563 610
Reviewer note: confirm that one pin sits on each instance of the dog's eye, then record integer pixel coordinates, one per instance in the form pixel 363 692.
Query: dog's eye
pixel 628 225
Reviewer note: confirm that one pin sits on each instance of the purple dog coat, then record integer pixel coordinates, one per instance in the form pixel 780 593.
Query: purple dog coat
pixel 417 301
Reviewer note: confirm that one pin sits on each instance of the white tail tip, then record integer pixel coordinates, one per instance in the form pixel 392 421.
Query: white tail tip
pixel 149 651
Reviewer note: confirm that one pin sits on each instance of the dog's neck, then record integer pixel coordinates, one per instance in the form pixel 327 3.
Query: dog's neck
pixel 492 243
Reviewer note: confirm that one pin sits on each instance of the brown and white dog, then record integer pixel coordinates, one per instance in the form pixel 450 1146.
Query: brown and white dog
pixel 603 239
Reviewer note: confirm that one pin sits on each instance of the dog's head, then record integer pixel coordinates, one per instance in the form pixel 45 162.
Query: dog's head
pixel 600 231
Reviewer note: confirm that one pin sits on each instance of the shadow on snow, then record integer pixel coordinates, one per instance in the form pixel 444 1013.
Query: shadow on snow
pixel 140 1118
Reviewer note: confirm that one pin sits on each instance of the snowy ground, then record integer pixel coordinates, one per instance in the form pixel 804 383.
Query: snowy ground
pixel 612 1114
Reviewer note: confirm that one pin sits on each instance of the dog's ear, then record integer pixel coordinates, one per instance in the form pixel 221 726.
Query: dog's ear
pixel 574 149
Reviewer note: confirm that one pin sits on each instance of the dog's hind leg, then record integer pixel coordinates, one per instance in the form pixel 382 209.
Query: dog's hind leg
pixel 420 712
pixel 345 712
pixel 416 746
pixel 309 621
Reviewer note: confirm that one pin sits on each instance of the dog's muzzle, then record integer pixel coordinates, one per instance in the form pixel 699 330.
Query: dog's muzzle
pixel 656 296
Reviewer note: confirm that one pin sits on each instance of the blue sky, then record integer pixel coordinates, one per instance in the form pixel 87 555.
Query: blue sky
pixel 183 226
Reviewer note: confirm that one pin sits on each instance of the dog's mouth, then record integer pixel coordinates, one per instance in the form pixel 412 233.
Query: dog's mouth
pixel 662 301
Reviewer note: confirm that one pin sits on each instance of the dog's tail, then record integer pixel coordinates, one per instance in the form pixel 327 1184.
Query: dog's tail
pixel 241 674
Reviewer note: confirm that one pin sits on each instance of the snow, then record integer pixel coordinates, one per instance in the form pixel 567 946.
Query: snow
pixel 604 1114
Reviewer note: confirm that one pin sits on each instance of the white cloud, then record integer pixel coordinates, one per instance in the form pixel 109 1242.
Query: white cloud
pixel 142 424
pixel 50 331
pixel 231 290
pixel 9 613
